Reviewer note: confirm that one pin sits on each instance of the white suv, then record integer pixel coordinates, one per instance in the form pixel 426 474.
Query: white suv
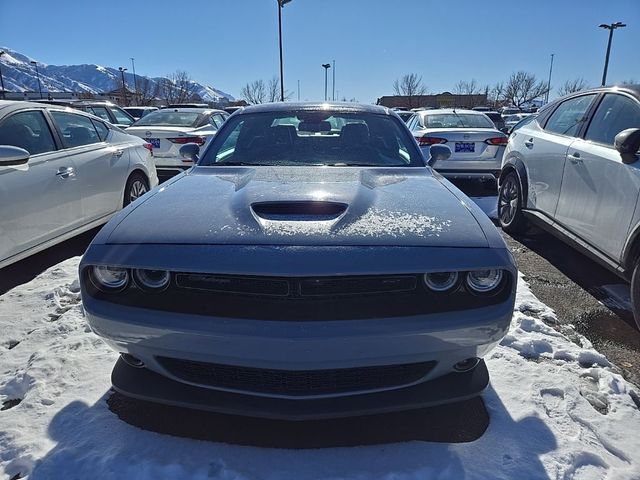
pixel 574 171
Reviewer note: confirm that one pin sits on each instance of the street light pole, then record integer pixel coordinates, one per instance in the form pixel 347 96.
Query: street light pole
pixel 135 80
pixel 4 95
pixel 281 3
pixel 33 62
pixel 124 85
pixel 549 82
pixel 326 67
pixel 611 27
pixel 333 82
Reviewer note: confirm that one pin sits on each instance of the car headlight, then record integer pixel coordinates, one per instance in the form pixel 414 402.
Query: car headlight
pixel 109 279
pixel 484 281
pixel 441 281
pixel 154 280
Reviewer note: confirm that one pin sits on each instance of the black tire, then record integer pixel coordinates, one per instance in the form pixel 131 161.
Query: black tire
pixel 635 292
pixel 137 185
pixel 510 215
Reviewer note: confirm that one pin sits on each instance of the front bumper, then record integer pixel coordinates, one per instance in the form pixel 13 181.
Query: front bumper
pixel 144 384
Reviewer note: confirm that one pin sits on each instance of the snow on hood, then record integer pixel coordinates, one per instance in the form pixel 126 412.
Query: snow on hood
pixel 557 410
pixel 214 205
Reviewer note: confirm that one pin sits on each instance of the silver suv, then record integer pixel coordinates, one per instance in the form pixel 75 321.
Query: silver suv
pixel 574 171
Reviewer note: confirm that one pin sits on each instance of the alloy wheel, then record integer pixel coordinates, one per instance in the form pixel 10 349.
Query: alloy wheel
pixel 508 200
pixel 138 188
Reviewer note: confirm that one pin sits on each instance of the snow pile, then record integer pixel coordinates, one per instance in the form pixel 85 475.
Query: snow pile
pixel 558 410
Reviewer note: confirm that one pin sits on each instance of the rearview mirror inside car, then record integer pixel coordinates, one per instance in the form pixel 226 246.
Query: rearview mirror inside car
pixel 627 142
pixel 437 153
pixel 12 156
pixel 190 151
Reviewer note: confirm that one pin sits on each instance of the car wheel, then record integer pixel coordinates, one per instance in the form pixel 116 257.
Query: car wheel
pixel 137 185
pixel 510 214
pixel 635 292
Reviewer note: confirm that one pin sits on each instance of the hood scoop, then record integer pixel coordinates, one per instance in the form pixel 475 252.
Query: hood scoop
pixel 300 211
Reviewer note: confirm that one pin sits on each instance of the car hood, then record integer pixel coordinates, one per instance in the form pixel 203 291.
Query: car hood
pixel 301 206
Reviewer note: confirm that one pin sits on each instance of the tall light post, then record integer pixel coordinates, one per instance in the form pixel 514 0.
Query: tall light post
pixel 124 85
pixel 33 62
pixel 4 95
pixel 281 3
pixel 326 67
pixel 333 82
pixel 549 82
pixel 611 27
pixel 135 80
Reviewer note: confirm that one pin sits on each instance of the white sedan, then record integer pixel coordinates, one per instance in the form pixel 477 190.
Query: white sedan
pixel 170 128
pixel 63 172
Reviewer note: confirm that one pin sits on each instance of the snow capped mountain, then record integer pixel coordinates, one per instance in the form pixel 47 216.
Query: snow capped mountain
pixel 20 75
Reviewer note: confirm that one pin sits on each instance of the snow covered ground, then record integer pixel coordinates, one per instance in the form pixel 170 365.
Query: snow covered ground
pixel 558 410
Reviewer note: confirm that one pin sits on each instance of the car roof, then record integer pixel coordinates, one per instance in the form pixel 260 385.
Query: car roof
pixel 310 106
pixel 21 104
pixel 203 111
pixel 437 111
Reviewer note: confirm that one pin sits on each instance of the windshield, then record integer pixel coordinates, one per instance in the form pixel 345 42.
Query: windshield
pixel 316 137
pixel 457 120
pixel 170 118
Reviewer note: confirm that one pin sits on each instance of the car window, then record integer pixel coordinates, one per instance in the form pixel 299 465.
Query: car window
pixel 100 112
pixel 28 130
pixel 121 117
pixel 219 120
pixel 102 129
pixel 170 118
pixel 614 114
pixel 457 120
pixel 77 130
pixel 568 117
pixel 316 137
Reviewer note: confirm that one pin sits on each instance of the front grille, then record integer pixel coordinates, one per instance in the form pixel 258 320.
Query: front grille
pixel 301 299
pixel 296 382
pixel 293 287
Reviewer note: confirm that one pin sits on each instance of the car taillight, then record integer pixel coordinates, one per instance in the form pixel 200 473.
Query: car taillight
pixel 149 147
pixel 426 140
pixel 497 141
pixel 183 140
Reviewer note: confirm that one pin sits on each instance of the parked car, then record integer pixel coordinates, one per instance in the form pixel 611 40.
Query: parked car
pixel 497 120
pixel 405 115
pixel 62 172
pixel 511 120
pixel 138 112
pixel 302 271
pixel 482 109
pixel 108 111
pixel 476 144
pixel 573 171
pixel 508 110
pixel 168 129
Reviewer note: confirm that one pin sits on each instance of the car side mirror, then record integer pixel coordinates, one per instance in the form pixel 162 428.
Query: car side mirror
pixel 437 153
pixel 190 151
pixel 11 156
pixel 627 142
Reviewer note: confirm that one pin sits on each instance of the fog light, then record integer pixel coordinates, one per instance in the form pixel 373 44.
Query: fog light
pixel 132 361
pixel 466 365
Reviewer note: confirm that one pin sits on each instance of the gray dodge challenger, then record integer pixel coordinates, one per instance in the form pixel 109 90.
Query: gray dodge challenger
pixel 310 265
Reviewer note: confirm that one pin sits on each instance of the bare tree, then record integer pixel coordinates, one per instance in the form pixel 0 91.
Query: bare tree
pixel 254 92
pixel 464 87
pixel 409 85
pixel 148 91
pixel 523 87
pixel 177 87
pixel 497 94
pixel 630 81
pixel 571 86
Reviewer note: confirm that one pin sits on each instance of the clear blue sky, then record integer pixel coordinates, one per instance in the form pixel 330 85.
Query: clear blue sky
pixel 227 43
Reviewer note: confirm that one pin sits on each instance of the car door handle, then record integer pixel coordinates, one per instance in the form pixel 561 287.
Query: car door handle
pixel 66 172
pixel 529 143
pixel 575 158
pixel 118 153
